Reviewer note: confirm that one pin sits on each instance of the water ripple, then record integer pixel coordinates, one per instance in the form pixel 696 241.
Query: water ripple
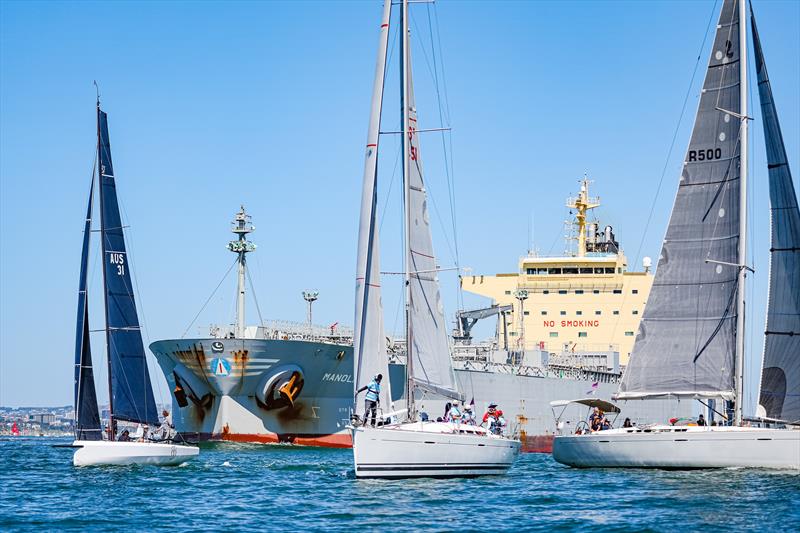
pixel 242 487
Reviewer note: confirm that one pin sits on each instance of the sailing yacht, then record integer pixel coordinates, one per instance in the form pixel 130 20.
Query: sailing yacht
pixel 130 391
pixel 690 343
pixel 413 447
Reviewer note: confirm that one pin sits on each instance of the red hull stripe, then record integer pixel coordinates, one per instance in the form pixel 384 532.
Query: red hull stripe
pixel 530 443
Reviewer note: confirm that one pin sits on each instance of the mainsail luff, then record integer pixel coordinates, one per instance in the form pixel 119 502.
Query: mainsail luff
pixel 428 347
pixel 369 342
pixel 87 416
pixel 686 342
pixel 131 394
pixel 780 378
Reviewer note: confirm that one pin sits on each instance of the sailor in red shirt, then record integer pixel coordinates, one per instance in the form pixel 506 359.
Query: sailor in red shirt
pixel 493 412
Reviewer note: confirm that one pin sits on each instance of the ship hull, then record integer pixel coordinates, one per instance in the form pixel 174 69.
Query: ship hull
pixel 229 389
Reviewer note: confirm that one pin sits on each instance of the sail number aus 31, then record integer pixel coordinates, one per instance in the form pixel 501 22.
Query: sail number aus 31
pixel 709 154
pixel 118 260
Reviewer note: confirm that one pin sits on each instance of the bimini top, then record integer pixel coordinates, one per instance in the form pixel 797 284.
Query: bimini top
pixel 603 405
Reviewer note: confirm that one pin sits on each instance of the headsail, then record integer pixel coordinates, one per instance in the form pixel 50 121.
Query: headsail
pixel 131 391
pixel 432 368
pixel 369 342
pixel 687 337
pixel 87 417
pixel 780 379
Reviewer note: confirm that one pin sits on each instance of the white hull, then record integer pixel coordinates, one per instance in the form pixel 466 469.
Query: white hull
pixel 101 452
pixel 430 449
pixel 681 447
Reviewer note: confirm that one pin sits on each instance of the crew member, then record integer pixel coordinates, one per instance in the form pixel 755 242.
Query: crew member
pixel 166 428
pixel 372 399
pixel 455 413
pixel 701 420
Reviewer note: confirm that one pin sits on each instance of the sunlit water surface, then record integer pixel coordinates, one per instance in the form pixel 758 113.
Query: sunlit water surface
pixel 247 487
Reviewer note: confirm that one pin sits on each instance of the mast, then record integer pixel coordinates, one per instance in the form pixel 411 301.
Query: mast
pixel 406 211
pixel 740 310
pixel 241 227
pixel 100 173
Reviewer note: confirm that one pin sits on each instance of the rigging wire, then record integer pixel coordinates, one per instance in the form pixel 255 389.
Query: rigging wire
pixel 675 134
pixel 253 290
pixel 210 296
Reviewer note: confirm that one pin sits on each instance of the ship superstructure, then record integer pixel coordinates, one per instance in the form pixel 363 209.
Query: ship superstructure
pixel 580 302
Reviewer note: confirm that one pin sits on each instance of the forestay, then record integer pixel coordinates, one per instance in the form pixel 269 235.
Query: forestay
pixel 87 417
pixel 686 341
pixel 432 368
pixel 131 391
pixel 780 379
pixel 369 342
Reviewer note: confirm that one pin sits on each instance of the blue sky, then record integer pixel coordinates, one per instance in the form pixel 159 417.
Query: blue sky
pixel 212 105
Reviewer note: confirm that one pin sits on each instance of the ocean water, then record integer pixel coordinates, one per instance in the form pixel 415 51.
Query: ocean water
pixel 239 487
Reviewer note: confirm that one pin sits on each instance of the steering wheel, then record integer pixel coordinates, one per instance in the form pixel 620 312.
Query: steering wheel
pixel 582 428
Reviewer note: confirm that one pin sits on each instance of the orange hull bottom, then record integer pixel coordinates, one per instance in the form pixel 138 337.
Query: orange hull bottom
pixel 530 443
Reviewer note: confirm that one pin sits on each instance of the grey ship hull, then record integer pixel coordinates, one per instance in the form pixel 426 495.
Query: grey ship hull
pixel 230 389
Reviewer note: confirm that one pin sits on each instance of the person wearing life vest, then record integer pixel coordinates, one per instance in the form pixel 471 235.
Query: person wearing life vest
pixel 493 419
pixel 372 399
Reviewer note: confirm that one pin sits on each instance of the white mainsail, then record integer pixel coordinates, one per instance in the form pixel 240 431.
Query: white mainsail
pixel 429 348
pixel 369 342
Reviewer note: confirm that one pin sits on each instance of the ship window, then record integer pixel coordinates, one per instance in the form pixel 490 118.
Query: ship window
pixel 508 292
pixel 579 291
pixel 563 313
pixel 579 313
pixel 635 312
pixel 512 333
pixel 617 291
pixel 554 334
pixel 629 334
pixel 596 291
pixel 541 271
pixel 582 334
pixel 545 292
pixel 635 291
pixel 544 313
pixel 598 270
pixel 562 292
pixel 554 271
pixel 609 270
pixel 530 271
pixel 588 270
pixel 598 312
pixel 570 270
pixel 526 313
pixel 616 312
pixel 619 270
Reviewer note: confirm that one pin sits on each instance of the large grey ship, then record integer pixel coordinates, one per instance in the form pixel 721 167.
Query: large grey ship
pixel 291 382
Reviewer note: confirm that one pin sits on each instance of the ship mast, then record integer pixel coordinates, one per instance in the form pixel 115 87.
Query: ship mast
pixel 739 365
pixel 581 204
pixel 241 227
pixel 407 218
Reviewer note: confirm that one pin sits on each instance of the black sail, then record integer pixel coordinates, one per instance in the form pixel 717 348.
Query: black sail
pixel 131 392
pixel 687 337
pixel 780 378
pixel 87 418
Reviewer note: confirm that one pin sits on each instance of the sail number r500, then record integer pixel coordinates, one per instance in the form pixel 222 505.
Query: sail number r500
pixel 705 155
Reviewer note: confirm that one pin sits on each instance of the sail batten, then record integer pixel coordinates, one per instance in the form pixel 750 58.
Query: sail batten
pixel 780 378
pixel 131 391
pixel 686 341
pixel 87 416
